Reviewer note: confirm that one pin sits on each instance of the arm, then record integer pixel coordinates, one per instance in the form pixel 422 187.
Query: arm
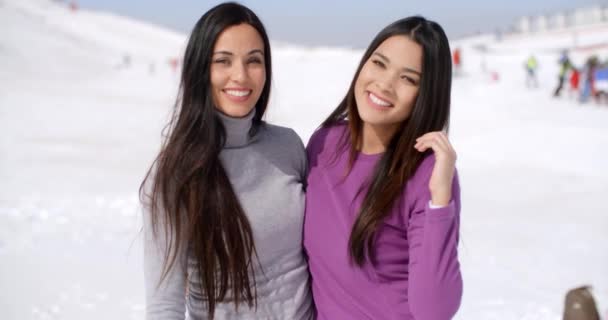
pixel 164 301
pixel 435 281
pixel 302 161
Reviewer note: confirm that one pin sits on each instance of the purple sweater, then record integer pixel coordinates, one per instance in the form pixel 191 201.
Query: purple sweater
pixel 416 274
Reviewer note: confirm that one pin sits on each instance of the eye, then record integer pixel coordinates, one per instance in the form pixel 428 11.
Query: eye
pixel 379 63
pixel 409 79
pixel 222 61
pixel 255 60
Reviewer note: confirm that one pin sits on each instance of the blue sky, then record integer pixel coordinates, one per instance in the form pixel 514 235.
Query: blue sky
pixel 341 22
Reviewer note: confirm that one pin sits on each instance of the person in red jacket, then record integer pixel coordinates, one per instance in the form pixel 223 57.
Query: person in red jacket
pixel 456 58
pixel 575 76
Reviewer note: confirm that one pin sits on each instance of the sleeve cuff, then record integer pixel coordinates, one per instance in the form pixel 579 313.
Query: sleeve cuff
pixel 433 206
pixel 438 213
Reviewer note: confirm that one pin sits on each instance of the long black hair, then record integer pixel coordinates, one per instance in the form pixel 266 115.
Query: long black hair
pixel 191 198
pixel 431 112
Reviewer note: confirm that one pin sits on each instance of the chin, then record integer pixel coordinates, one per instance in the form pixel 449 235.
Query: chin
pixel 373 117
pixel 377 122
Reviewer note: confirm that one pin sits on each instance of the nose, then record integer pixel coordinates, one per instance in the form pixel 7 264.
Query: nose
pixel 239 72
pixel 385 83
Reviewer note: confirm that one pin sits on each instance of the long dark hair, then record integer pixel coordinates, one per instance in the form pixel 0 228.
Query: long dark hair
pixel 431 112
pixel 191 199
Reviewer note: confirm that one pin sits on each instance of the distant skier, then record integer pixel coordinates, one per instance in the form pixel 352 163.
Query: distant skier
pixel 531 67
pixel 174 63
pixel 575 76
pixel 73 6
pixel 457 60
pixel 601 84
pixel 565 65
pixel 588 87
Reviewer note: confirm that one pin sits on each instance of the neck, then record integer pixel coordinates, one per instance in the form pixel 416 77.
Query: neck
pixel 375 138
pixel 237 129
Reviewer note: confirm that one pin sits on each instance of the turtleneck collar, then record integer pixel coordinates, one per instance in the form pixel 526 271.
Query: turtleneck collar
pixel 237 129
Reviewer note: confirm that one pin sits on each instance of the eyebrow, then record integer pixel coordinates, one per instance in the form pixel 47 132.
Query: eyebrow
pixel 260 51
pixel 406 69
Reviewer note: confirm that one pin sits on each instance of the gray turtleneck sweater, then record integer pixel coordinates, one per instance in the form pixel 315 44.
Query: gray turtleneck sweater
pixel 267 173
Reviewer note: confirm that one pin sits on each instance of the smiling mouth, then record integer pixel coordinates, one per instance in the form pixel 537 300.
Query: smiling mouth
pixel 378 101
pixel 237 93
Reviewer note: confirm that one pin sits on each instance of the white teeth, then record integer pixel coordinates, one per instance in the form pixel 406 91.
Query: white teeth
pixel 377 100
pixel 238 93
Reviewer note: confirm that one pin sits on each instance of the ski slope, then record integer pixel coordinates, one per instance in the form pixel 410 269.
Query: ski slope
pixel 80 128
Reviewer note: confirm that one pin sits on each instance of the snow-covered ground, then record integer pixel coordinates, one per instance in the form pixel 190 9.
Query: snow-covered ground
pixel 79 131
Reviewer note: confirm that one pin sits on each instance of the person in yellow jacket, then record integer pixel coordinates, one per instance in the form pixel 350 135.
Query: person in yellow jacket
pixel 531 66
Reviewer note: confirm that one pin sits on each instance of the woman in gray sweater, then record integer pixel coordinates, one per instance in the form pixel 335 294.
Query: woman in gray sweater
pixel 224 199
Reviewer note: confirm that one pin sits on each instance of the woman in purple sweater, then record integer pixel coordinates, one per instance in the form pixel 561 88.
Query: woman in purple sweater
pixel 383 199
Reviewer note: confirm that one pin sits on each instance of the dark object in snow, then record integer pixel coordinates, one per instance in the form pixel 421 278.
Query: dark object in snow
pixel 580 305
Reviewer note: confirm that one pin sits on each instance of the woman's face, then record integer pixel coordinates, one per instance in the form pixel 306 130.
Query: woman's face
pixel 238 71
pixel 388 83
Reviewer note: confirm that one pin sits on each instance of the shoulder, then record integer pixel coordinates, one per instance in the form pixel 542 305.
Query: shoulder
pixel 283 143
pixel 279 135
pixel 279 131
pixel 326 137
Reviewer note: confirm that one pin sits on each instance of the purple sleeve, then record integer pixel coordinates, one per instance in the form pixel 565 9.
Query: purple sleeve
pixel 435 281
